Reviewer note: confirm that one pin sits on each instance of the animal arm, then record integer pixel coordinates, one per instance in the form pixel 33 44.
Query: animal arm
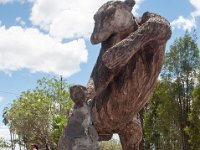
pixel 155 29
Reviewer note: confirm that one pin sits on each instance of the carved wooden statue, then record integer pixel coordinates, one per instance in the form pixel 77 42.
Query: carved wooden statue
pixel 125 73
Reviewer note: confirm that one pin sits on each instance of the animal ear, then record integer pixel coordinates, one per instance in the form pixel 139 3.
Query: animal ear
pixel 130 3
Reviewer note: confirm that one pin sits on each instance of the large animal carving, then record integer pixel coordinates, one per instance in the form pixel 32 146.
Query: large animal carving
pixel 126 70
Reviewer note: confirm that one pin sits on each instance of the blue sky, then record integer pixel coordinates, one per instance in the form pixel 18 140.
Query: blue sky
pixel 49 37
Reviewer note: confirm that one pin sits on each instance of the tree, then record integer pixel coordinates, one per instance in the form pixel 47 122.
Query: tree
pixel 181 64
pixel 6 122
pixel 165 119
pixel 194 118
pixel 4 144
pixel 159 119
pixel 39 115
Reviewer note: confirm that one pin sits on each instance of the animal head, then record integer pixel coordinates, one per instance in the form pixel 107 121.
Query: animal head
pixel 111 18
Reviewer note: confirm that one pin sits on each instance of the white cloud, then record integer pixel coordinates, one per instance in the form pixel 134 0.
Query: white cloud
pixel 20 21
pixel 196 4
pixel 137 6
pixel 11 1
pixel 1 99
pixel 4 132
pixel 66 18
pixel 181 22
pixel 185 23
pixel 5 1
pixel 30 49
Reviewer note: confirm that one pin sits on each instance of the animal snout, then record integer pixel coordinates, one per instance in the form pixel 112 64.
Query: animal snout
pixel 94 39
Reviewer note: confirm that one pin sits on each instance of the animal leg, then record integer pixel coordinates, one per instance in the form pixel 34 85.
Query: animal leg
pixel 131 135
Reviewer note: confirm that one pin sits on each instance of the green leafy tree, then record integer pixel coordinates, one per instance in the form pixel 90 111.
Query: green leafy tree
pixel 181 64
pixel 6 122
pixel 194 118
pixel 110 145
pixel 159 124
pixel 4 144
pixel 165 118
pixel 39 115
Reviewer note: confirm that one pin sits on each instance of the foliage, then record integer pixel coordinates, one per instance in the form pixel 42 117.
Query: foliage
pixel 4 144
pixel 160 119
pixel 169 119
pixel 182 63
pixel 194 118
pixel 39 115
pixel 110 145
